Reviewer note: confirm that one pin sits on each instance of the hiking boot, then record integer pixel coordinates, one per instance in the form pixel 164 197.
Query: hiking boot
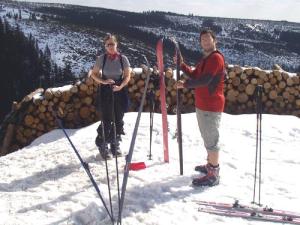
pixel 104 152
pixel 115 149
pixel 212 177
pixel 98 141
pixel 202 168
pixel 119 138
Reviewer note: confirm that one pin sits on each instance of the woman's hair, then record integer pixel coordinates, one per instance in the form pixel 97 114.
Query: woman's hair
pixel 110 36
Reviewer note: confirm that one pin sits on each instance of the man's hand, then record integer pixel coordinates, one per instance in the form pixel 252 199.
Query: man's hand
pixel 180 59
pixel 180 84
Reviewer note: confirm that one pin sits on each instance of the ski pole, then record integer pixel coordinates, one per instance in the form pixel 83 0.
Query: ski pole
pixel 258 142
pixel 85 166
pixel 178 106
pixel 151 98
pixel 106 165
pixel 260 133
pixel 132 143
pixel 115 146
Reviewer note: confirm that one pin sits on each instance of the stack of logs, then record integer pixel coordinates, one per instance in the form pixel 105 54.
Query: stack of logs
pixel 281 91
pixel 76 104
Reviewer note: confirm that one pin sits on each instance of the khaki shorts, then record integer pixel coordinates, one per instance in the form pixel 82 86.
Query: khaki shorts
pixel 209 123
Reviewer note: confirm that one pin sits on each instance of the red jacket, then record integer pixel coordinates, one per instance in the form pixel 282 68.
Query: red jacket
pixel 208 80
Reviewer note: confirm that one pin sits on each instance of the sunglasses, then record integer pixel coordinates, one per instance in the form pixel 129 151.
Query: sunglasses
pixel 110 44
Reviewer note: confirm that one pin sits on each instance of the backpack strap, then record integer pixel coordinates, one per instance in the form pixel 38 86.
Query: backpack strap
pixel 121 62
pixel 225 75
pixel 103 64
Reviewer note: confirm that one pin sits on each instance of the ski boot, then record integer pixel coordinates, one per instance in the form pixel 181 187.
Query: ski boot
pixel 212 177
pixel 202 168
pixel 115 147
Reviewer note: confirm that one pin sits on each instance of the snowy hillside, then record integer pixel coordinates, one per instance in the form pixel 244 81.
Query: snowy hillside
pixel 45 184
pixel 74 35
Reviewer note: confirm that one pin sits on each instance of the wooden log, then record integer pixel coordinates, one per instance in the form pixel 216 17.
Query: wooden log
pixel 248 71
pixel 277 72
pixel 242 87
pixel 242 98
pixel 28 120
pixel 38 100
pixel 285 95
pixel 291 98
pixel 45 102
pixel 141 83
pixel 236 81
pixel 40 127
pixel 250 88
pixel 285 75
pixel 272 94
pixel 42 108
pixel 29 97
pixel 7 140
pixel 267 85
pixel 74 89
pixel 260 81
pixel 289 82
pixel 87 100
pixel 254 81
pixel 273 80
pixel 231 74
pixel 296 80
pixel 238 69
pixel 83 87
pixel 262 75
pixel 231 95
pixel 42 116
pixel 282 85
pixel 278 76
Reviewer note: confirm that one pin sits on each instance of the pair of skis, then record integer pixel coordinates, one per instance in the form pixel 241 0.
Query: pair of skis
pixel 249 212
pixel 159 54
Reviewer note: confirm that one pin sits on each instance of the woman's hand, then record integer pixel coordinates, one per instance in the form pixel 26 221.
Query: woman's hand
pixel 108 81
pixel 117 88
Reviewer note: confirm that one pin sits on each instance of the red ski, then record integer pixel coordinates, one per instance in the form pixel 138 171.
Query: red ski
pixel 248 215
pixel 163 105
pixel 246 211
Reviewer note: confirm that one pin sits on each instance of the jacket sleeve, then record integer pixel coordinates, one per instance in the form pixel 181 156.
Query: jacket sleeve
pixel 213 69
pixel 192 72
pixel 204 80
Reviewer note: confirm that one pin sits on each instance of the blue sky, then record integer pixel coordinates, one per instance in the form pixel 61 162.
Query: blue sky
pixel 253 9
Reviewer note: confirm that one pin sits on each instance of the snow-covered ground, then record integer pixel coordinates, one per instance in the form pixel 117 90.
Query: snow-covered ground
pixel 44 183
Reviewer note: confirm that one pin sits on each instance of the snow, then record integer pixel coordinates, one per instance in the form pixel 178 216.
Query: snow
pixel 44 183
pixel 64 88
pixel 138 70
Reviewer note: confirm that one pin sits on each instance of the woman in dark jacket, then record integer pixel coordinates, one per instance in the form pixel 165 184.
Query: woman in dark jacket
pixel 112 72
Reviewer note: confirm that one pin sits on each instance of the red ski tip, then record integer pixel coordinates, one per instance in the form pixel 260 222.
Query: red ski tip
pixel 137 166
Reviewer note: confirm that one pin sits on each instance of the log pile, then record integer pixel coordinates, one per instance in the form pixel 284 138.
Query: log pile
pixel 136 89
pixel 76 104
pixel 281 91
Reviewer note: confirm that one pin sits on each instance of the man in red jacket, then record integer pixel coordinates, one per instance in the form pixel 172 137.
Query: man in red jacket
pixel 208 80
